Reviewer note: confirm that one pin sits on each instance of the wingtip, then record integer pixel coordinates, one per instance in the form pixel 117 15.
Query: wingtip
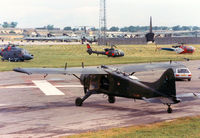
pixel 21 70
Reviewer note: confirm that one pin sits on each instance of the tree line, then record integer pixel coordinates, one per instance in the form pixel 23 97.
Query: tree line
pixel 113 28
pixel 141 28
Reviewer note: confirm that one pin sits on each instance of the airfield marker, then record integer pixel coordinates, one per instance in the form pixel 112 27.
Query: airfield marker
pixel 47 88
pixel 25 86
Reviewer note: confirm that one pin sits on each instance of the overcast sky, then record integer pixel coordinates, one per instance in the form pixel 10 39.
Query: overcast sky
pixel 61 13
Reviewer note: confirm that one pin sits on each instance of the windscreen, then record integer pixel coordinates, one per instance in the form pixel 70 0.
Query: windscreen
pixel 183 71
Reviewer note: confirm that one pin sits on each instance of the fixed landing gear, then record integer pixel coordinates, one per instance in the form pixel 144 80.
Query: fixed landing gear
pixel 169 110
pixel 111 99
pixel 79 101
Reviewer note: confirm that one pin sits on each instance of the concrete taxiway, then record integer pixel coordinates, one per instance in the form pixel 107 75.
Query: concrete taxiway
pixel 31 106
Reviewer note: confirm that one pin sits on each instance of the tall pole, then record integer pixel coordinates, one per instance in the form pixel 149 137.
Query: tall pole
pixel 102 21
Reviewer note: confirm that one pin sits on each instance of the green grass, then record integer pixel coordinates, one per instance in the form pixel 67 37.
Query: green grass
pixel 57 56
pixel 180 128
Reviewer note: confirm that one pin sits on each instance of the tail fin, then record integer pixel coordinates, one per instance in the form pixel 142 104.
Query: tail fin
pixel 89 49
pixel 166 84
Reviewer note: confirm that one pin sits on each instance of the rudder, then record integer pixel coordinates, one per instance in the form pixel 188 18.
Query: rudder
pixel 166 84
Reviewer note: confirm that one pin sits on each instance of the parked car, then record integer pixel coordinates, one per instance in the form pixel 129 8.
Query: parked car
pixel 182 73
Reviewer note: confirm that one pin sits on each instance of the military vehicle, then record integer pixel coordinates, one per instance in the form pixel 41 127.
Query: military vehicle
pixel 15 54
pixel 110 52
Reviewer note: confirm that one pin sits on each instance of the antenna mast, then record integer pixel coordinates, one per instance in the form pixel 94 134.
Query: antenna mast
pixel 102 21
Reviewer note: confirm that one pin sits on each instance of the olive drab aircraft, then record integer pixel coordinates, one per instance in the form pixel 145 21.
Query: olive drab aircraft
pixel 110 52
pixel 14 54
pixel 118 82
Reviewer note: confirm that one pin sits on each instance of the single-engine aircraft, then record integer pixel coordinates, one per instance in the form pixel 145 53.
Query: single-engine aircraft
pixel 180 49
pixel 13 53
pixel 118 82
pixel 110 52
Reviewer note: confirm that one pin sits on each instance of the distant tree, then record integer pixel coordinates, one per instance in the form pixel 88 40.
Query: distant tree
pixel 124 29
pixel 13 24
pixel 5 25
pixel 114 29
pixel 132 29
pixel 194 28
pixel 186 28
pixel 9 25
pixel 164 28
pixel 176 28
pixel 94 29
pixel 75 29
pixel 68 28
pixel 50 27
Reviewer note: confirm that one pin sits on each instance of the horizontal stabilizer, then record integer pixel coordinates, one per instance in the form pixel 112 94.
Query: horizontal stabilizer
pixel 163 100
pixel 188 96
pixel 171 100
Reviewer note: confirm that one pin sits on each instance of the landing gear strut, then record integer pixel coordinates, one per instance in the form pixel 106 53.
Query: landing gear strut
pixel 169 110
pixel 79 101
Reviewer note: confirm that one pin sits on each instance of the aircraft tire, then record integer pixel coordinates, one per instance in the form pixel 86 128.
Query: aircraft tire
pixel 169 110
pixel 111 99
pixel 79 101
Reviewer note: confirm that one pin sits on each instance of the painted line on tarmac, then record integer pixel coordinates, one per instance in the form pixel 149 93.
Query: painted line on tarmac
pixel 47 88
pixel 25 86
pixel 3 105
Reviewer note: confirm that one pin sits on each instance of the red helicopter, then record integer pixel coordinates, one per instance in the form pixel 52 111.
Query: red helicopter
pixel 180 49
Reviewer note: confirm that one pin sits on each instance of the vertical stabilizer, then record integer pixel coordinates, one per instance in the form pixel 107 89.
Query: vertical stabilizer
pixel 150 29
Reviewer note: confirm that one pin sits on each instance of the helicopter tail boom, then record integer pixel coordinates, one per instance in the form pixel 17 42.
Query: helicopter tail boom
pixel 89 49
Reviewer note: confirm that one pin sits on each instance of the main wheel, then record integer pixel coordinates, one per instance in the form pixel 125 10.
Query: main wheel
pixel 169 110
pixel 189 79
pixel 79 101
pixel 111 99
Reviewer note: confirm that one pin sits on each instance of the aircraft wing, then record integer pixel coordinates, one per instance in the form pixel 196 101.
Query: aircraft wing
pixel 97 70
pixel 75 70
pixel 148 66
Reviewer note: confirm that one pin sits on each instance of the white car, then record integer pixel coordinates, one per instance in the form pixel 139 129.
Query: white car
pixel 182 73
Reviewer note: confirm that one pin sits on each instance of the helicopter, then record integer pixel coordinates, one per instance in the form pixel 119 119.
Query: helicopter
pixel 110 52
pixel 114 82
pixel 181 49
pixel 15 54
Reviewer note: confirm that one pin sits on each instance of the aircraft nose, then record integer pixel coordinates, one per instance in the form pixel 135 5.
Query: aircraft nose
pixel 28 57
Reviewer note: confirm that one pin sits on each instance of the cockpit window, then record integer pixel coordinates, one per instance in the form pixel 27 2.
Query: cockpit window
pixel 25 52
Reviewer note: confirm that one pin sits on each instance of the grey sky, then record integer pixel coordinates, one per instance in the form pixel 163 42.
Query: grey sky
pixel 60 13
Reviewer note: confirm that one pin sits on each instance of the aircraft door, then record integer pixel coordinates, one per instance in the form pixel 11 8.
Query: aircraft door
pixel 104 82
pixel 94 82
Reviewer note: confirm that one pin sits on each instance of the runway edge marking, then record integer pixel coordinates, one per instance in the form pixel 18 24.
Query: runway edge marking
pixel 47 88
